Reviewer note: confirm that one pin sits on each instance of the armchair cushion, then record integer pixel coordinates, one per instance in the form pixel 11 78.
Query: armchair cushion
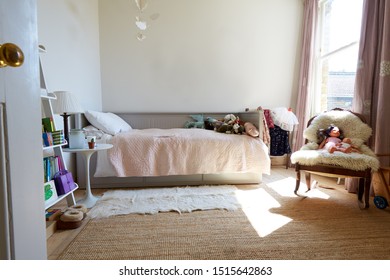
pixel 351 125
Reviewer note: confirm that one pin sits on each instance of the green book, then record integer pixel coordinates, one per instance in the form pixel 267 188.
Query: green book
pixel 48 124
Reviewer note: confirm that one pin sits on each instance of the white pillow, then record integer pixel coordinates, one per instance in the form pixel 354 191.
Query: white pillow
pixel 90 130
pixel 108 122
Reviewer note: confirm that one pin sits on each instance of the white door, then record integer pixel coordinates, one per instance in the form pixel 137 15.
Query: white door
pixel 23 234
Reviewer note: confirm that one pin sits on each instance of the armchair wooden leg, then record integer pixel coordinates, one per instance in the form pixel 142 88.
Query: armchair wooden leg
pixel 364 190
pixel 308 180
pixel 367 192
pixel 360 193
pixel 298 181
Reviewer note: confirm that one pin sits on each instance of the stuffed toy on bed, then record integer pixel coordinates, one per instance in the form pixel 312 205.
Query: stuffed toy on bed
pixel 230 124
pixel 211 123
pixel 198 122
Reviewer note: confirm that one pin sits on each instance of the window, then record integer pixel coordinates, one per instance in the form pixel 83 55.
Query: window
pixel 337 53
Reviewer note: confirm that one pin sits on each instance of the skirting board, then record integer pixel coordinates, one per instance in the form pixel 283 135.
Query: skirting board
pixel 184 180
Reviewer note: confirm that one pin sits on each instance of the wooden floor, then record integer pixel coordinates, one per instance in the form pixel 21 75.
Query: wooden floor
pixel 58 242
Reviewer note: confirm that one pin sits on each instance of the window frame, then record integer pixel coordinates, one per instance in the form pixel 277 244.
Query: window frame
pixel 320 57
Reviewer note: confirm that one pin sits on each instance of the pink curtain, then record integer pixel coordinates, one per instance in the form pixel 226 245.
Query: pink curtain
pixel 307 58
pixel 372 85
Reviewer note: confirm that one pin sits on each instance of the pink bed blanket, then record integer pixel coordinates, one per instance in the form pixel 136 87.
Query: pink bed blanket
pixel 162 152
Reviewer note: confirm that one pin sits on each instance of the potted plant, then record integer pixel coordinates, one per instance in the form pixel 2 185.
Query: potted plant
pixel 91 144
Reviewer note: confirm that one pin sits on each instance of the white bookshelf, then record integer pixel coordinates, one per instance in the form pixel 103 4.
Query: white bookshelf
pixel 54 150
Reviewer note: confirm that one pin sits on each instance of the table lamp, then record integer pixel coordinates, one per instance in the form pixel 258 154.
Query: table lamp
pixel 65 105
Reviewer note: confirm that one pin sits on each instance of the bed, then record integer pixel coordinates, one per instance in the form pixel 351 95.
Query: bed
pixel 158 151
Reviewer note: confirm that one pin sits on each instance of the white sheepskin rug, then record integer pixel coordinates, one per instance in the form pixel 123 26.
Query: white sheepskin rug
pixel 353 128
pixel 154 200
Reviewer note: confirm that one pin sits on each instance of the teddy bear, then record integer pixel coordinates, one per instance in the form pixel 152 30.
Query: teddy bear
pixel 230 119
pixel 231 124
pixel 211 123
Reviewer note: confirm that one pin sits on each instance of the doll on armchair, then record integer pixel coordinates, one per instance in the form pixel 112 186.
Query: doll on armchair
pixel 334 141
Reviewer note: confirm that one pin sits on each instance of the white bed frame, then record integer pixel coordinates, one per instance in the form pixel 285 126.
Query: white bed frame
pixel 166 121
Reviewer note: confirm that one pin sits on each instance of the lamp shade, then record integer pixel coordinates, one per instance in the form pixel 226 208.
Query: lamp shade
pixel 66 102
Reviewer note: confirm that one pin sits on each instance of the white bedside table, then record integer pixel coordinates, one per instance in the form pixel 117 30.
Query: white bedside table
pixel 89 200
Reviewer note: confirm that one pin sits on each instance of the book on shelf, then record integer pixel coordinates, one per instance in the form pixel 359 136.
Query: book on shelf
pixel 53 138
pixel 48 125
pixel 51 165
pixel 58 137
pixel 47 139
pixel 50 136
pixel 52 214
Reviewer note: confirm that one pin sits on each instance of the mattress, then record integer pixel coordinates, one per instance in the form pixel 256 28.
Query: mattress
pixel 179 151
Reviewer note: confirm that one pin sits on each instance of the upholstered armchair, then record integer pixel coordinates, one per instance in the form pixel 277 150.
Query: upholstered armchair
pixel 360 163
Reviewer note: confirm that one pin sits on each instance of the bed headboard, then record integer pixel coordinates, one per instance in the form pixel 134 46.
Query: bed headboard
pixel 175 120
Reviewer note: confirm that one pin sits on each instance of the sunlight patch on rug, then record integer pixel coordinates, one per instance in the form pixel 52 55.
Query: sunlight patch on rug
pixel 258 204
pixel 154 200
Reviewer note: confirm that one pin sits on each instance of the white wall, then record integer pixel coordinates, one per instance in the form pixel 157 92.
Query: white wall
pixel 69 29
pixel 200 55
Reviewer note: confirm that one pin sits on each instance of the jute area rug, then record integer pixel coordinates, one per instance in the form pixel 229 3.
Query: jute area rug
pixel 272 224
